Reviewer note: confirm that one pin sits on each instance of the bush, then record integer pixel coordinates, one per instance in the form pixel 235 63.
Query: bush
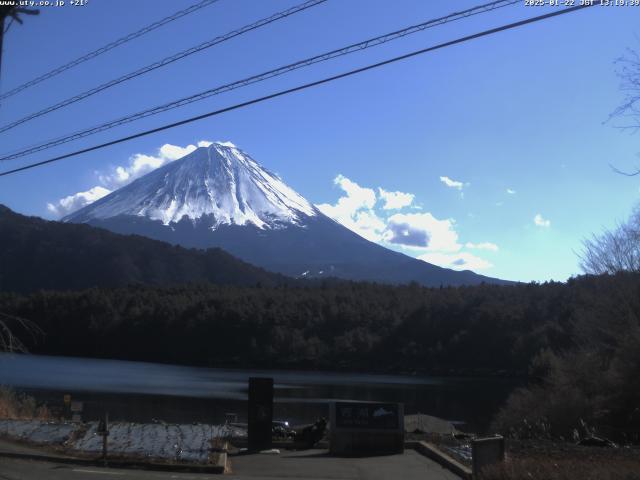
pixel 20 406
pixel 570 468
pixel 591 390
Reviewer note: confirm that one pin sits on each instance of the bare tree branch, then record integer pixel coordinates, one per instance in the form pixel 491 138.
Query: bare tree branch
pixel 614 250
pixel 628 71
pixel 627 174
pixel 9 342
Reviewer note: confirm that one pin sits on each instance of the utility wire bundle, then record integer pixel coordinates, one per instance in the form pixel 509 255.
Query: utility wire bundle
pixel 283 70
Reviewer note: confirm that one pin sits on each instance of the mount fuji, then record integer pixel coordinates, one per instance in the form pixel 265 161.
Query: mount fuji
pixel 218 196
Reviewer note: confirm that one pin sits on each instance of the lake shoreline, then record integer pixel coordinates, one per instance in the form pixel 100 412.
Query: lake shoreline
pixel 434 372
pixel 142 391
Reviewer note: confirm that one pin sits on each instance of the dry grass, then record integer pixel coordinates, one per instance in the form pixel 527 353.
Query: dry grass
pixel 564 469
pixel 566 461
pixel 21 406
pixel 549 460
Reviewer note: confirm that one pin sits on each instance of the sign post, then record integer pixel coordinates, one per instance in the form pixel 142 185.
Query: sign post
pixel 103 429
pixel 67 406
pixel 260 413
pixel 76 411
pixel 364 428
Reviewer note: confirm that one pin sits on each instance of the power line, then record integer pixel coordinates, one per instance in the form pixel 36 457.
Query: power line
pixel 372 42
pixel 305 86
pixel 106 48
pixel 166 61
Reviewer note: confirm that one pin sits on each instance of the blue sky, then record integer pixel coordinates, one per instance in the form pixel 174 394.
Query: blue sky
pixel 454 130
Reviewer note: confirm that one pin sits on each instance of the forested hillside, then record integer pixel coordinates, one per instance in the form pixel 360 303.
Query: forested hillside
pixel 482 329
pixel 36 254
pixel 575 342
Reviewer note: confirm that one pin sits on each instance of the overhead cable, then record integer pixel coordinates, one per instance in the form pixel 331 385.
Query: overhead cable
pixel 349 73
pixel 372 42
pixel 110 46
pixel 164 62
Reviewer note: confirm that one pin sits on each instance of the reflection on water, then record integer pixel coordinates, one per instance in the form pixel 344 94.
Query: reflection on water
pixel 142 391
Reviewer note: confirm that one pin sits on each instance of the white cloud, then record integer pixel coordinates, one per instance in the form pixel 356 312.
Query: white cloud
pixel 540 221
pixel 69 204
pixel 355 209
pixel 174 152
pixel 422 230
pixel 368 225
pixel 138 165
pixel 456 261
pixel 395 200
pixel 420 234
pixel 482 246
pixel 453 183
pixel 356 198
pixel 511 191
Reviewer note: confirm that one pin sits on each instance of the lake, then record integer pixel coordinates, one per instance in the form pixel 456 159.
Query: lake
pixel 143 392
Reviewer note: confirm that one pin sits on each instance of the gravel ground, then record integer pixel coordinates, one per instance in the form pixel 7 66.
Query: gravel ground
pixel 182 443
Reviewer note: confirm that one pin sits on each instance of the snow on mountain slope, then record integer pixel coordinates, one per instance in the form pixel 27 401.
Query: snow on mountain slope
pixel 219 181
pixel 218 196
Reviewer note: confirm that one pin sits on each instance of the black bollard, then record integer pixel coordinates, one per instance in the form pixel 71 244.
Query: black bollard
pixel 260 413
pixel 103 429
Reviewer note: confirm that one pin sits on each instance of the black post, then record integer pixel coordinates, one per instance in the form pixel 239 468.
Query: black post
pixel 67 407
pixel 103 429
pixel 260 413
pixel 104 440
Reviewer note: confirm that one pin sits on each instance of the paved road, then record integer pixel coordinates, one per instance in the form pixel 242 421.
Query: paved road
pixel 13 447
pixel 307 465
pixel 11 469
pixel 317 465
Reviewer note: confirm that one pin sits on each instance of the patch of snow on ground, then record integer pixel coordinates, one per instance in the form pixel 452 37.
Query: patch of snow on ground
pixel 188 442
pixel 37 431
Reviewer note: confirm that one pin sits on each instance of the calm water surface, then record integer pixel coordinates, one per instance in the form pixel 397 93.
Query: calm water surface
pixel 138 391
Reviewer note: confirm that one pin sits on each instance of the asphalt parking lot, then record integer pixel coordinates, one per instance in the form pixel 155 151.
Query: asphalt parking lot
pixel 317 464
pixel 308 464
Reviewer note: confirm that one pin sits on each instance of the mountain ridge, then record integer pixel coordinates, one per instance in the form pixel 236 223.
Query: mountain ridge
pixel 218 196
pixel 37 254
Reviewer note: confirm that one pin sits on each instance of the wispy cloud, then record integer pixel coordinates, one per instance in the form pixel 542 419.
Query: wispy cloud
pixel 455 184
pixel 456 261
pixel 74 202
pixel 540 221
pixel 452 183
pixel 482 246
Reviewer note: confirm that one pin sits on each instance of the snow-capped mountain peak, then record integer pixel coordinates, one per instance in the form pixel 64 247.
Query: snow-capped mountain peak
pixel 219 197
pixel 218 182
